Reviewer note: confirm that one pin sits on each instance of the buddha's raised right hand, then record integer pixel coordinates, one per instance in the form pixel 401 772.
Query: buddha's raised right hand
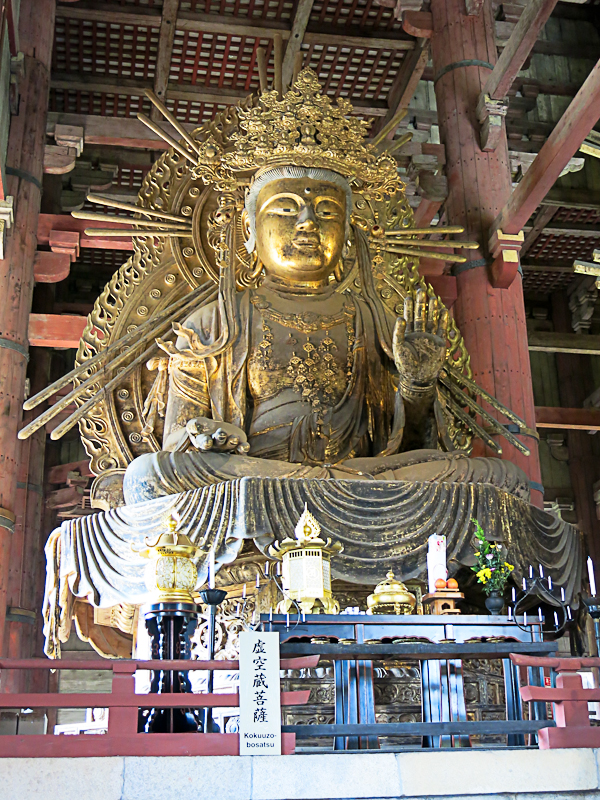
pixel 419 342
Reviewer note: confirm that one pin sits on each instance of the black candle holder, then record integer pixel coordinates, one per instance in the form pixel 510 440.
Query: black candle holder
pixel 541 588
pixel 171 626
pixel 211 598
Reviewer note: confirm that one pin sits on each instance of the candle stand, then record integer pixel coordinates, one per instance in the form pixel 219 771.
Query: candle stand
pixel 171 621
pixel 542 589
pixel 212 598
pixel 171 626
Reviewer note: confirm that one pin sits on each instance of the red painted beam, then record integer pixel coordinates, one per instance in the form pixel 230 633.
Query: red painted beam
pixel 548 695
pixel 113 700
pixel 59 474
pixel 51 267
pixel 138 744
pixel 571 419
pixel 64 222
pixel 125 665
pixel 55 330
pixel 426 211
pixel 564 141
pixel 521 42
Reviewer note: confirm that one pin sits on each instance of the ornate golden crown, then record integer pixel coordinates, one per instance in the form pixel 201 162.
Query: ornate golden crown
pixel 304 129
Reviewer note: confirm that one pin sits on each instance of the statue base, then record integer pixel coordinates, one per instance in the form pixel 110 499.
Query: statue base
pixel 382 525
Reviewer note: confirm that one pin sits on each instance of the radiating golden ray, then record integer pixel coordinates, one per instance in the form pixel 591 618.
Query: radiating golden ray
pixel 108 201
pixel 115 351
pixel 469 422
pixel 422 231
pixel 497 427
pixel 167 138
pixel 407 251
pixel 391 126
pixel 115 234
pixel 440 243
pixel 172 119
pixel 95 217
pixel 396 144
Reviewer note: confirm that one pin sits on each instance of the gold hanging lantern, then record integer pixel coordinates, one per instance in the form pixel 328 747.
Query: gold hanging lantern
pixel 306 569
pixel 172 574
pixel 391 597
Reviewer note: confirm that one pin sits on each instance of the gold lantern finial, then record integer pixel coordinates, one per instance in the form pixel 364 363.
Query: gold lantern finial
pixel 391 597
pixel 172 574
pixel 306 568
pixel 307 529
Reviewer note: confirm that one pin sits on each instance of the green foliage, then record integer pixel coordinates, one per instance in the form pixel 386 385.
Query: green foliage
pixel 492 570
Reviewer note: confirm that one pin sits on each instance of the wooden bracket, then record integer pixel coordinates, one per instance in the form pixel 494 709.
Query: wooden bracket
pixel 65 242
pixel 504 249
pixel 58 160
pixel 51 267
pixel 69 136
pixel 490 114
pixel 418 24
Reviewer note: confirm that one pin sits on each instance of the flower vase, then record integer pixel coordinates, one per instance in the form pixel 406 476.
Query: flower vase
pixel 494 602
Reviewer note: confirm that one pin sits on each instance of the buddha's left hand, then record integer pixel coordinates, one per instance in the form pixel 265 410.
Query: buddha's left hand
pixel 419 342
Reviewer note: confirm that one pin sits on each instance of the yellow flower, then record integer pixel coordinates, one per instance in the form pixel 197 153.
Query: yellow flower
pixel 508 566
pixel 484 574
pixel 477 554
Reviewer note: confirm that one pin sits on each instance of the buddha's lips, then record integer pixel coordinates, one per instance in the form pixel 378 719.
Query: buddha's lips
pixel 307 240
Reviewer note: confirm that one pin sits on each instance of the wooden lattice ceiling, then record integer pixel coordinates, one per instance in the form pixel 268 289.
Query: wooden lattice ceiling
pixel 106 54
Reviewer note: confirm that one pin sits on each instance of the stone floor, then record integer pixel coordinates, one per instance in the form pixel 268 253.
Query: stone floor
pixel 507 774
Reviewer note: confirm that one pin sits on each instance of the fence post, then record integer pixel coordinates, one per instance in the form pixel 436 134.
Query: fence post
pixel 122 721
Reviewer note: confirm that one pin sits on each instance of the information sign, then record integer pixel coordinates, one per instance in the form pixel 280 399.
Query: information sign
pixel 260 694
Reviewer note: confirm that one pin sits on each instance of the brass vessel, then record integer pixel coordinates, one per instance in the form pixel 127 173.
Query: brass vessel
pixel 391 597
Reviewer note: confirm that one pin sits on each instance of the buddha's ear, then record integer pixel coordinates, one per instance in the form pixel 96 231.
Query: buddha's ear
pixel 245 223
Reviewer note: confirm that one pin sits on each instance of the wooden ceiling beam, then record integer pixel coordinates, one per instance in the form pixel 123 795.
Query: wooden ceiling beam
pixel 518 47
pixel 299 25
pixel 569 419
pixel 56 330
pixel 49 223
pixel 405 85
pixel 562 144
pixel 574 343
pixel 543 217
pixel 566 228
pixel 165 52
pixel 228 25
pixel 176 91
pixel 114 131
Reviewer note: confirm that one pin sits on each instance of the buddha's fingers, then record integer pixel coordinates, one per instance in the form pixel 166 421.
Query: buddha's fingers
pixel 420 306
pixel 432 315
pixel 408 313
pixel 442 330
pixel 399 332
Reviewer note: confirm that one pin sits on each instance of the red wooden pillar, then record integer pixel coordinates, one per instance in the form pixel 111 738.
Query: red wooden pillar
pixel 27 568
pixel 25 171
pixel 492 321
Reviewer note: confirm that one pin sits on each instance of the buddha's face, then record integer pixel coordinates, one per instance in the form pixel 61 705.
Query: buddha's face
pixel 300 229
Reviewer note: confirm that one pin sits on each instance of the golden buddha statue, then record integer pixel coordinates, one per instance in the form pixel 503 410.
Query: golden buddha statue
pixel 270 344
pixel 315 376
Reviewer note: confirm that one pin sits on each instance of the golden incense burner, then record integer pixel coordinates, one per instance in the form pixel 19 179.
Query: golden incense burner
pixel 391 597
